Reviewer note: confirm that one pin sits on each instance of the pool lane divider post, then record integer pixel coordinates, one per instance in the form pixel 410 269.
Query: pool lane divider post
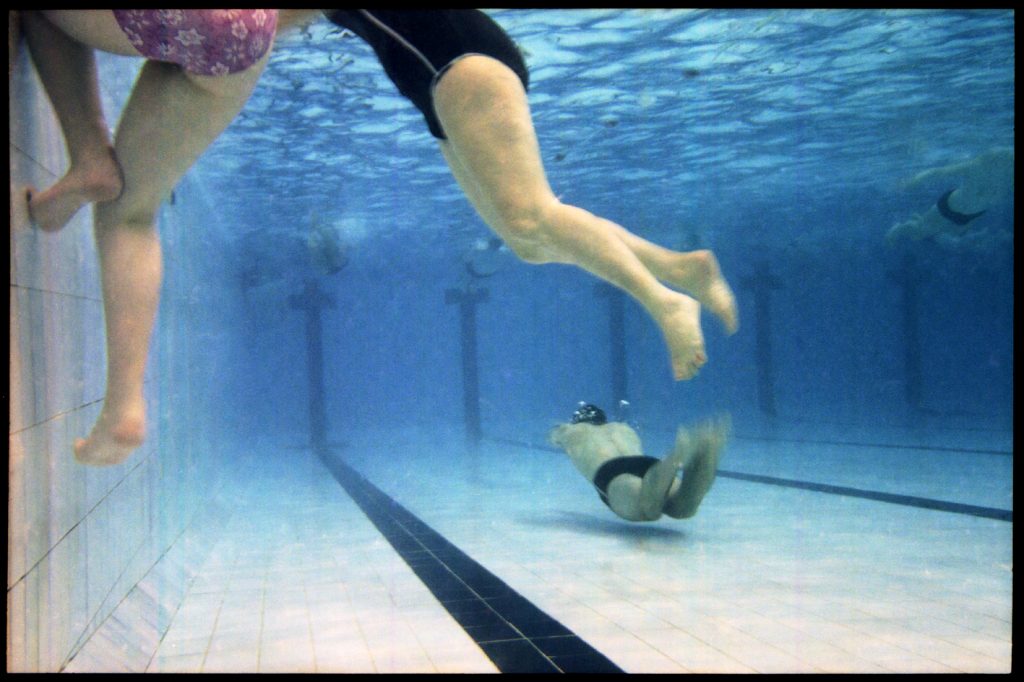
pixel 763 283
pixel 313 300
pixel 616 345
pixel 467 299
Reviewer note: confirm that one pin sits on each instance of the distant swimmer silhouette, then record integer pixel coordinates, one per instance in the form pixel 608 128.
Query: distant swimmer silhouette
pixel 975 186
pixel 484 258
pixel 327 250
pixel 634 486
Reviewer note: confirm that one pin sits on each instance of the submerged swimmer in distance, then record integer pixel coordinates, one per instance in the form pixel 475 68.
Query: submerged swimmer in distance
pixel 326 248
pixel 634 486
pixel 983 181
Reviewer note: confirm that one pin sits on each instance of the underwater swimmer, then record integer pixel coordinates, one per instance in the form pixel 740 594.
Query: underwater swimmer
pixel 634 486
pixel 469 80
pixel 326 248
pixel 982 181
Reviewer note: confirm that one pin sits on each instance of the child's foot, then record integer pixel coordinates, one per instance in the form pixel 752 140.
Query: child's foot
pixel 92 180
pixel 698 273
pixel 680 324
pixel 112 439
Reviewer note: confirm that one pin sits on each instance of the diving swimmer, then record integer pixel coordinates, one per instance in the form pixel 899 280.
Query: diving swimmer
pixel 634 486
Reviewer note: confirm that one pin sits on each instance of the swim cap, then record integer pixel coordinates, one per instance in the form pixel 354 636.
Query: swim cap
pixel 589 414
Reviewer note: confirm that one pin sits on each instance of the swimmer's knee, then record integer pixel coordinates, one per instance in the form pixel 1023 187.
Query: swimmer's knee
pixel 521 231
pixel 524 224
pixel 527 233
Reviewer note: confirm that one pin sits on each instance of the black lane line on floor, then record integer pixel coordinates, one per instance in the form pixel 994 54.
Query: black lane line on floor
pixel 883 446
pixel 516 635
pixel 891 498
pixel 905 500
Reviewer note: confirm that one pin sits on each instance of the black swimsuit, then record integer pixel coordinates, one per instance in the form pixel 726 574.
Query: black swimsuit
pixel 952 216
pixel 416 47
pixel 636 465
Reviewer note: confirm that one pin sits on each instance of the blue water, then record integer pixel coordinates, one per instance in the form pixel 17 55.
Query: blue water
pixel 775 137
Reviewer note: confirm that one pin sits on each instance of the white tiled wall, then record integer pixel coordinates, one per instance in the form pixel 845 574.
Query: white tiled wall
pixel 80 538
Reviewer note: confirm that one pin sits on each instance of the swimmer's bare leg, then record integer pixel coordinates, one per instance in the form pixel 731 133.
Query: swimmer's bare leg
pixel 705 445
pixel 67 69
pixel 914 228
pixel 493 152
pixel 171 116
pixel 923 226
pixel 659 479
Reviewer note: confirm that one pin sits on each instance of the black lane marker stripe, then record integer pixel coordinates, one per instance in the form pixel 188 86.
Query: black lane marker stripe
pixel 516 635
pixel 905 500
pixel 882 446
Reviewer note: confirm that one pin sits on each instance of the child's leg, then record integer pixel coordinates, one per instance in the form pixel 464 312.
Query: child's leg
pixel 130 272
pixel 67 69
pixel 170 118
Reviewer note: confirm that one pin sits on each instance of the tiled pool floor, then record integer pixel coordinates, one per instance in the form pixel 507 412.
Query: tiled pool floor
pixel 766 578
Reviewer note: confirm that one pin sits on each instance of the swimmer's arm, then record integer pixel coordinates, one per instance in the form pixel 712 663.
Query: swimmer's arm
pixel 993 156
pixel 940 172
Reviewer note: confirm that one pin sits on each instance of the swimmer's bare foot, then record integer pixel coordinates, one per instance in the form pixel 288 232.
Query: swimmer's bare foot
pixel 704 447
pixel 711 437
pixel 698 273
pixel 113 438
pixel 680 324
pixel 92 179
pixel 684 451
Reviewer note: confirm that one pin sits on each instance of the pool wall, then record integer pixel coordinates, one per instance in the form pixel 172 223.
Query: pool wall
pixel 83 541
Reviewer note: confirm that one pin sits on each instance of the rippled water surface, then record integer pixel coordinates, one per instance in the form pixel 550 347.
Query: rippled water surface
pixel 774 137
pixel 680 114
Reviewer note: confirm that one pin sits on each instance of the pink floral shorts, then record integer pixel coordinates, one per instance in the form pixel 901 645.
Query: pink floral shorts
pixel 208 42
